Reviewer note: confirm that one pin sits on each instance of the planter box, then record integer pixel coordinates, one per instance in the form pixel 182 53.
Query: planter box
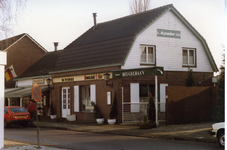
pixel 53 116
pixel 111 121
pixel 100 120
pixel 71 117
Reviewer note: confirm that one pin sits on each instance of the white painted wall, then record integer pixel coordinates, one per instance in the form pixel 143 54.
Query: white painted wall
pixel 2 89
pixel 168 50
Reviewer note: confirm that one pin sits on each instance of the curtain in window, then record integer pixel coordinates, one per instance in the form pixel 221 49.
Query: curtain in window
pixel 150 55
pixel 143 54
pixel 185 57
pixel 191 57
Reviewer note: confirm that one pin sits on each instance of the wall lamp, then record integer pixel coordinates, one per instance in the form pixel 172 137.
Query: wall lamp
pixel 107 78
pixel 48 83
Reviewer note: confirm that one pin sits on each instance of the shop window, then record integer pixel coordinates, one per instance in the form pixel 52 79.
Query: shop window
pixel 87 95
pixel 147 55
pixel 144 92
pixel 189 57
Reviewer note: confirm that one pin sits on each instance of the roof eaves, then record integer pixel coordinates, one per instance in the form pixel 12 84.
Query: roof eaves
pixel 33 77
pixel 36 43
pixel 15 42
pixel 78 69
pixel 30 39
pixel 199 36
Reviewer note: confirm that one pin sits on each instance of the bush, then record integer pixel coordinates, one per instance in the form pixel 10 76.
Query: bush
pixel 113 111
pixel 97 113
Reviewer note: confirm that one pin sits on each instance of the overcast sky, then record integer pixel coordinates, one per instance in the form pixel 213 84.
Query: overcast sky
pixel 63 21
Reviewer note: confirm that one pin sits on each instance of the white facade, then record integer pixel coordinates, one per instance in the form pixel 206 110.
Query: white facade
pixel 168 49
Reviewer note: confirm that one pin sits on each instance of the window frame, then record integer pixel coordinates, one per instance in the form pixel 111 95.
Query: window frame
pixel 194 58
pixel 81 98
pixel 154 57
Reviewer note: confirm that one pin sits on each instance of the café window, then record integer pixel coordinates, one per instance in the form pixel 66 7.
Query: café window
pixel 86 99
pixel 147 55
pixel 189 57
pixel 145 89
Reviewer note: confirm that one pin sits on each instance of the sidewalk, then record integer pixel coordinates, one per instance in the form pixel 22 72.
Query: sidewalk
pixel 188 132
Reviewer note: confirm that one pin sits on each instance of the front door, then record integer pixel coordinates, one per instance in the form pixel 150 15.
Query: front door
pixel 65 101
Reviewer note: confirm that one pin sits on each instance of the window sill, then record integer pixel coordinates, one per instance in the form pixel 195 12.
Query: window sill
pixel 193 66
pixel 147 64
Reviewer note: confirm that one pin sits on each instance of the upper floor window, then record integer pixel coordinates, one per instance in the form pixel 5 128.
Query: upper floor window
pixel 189 57
pixel 147 54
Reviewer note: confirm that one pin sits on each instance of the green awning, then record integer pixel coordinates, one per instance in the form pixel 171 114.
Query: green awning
pixel 22 91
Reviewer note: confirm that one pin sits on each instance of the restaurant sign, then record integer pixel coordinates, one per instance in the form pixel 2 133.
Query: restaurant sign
pixel 168 33
pixel 138 72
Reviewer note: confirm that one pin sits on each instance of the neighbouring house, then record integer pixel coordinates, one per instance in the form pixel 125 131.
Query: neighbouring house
pixel 141 53
pixel 22 51
pixel 37 73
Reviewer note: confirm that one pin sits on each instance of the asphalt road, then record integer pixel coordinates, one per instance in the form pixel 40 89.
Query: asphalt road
pixel 93 141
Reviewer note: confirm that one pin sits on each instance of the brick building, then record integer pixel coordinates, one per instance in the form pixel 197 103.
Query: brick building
pixel 142 53
pixel 22 51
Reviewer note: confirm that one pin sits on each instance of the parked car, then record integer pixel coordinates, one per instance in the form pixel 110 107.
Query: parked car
pixel 16 115
pixel 218 131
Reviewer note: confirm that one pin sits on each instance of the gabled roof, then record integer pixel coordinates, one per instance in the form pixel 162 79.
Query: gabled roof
pixel 110 42
pixel 7 43
pixel 42 67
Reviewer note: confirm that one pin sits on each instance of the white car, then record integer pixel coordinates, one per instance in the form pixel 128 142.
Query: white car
pixel 218 131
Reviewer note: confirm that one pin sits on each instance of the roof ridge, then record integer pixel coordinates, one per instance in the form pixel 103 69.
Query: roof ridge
pixel 168 6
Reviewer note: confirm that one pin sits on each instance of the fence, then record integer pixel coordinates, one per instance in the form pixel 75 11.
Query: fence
pixel 135 112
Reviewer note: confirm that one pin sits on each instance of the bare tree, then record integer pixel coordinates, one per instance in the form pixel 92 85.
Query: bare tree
pixel 138 6
pixel 9 12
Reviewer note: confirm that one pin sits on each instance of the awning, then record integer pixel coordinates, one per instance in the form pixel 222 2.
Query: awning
pixel 22 91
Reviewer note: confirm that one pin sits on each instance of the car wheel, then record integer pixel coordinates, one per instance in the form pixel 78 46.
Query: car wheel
pixel 5 124
pixel 221 139
pixel 25 124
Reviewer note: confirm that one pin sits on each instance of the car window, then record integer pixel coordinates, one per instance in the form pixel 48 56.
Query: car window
pixel 5 111
pixel 16 110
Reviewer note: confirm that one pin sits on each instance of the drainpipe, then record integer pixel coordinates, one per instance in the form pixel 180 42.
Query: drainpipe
pixel 156 100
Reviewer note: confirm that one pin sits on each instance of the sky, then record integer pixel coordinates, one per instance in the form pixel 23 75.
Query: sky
pixel 63 21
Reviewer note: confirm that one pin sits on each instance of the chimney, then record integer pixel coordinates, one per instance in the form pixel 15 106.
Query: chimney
pixel 55 46
pixel 94 15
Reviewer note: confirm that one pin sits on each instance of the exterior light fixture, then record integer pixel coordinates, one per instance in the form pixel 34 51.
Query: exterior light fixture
pixel 215 80
pixel 107 78
pixel 48 83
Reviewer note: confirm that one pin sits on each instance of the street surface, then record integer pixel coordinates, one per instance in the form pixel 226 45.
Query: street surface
pixel 66 139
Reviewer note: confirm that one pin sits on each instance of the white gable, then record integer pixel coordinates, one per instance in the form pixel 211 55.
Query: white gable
pixel 168 50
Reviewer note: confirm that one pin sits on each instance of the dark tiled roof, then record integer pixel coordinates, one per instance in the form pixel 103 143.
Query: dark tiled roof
pixel 7 42
pixel 43 66
pixel 108 44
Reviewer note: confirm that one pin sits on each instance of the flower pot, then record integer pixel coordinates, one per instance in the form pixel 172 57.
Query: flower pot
pixel 111 121
pixel 100 120
pixel 53 116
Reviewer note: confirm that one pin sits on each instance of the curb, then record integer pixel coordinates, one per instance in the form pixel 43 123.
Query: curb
pixel 198 139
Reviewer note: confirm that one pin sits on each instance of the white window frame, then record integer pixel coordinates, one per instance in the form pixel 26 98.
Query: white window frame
pixel 154 55
pixel 194 58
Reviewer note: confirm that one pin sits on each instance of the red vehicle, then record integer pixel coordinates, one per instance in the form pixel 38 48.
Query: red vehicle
pixel 16 115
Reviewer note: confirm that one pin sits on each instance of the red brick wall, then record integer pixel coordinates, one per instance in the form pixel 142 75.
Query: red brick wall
pixel 189 104
pixel 23 54
pixel 172 78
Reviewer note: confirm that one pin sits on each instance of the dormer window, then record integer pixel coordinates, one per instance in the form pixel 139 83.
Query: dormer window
pixel 147 54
